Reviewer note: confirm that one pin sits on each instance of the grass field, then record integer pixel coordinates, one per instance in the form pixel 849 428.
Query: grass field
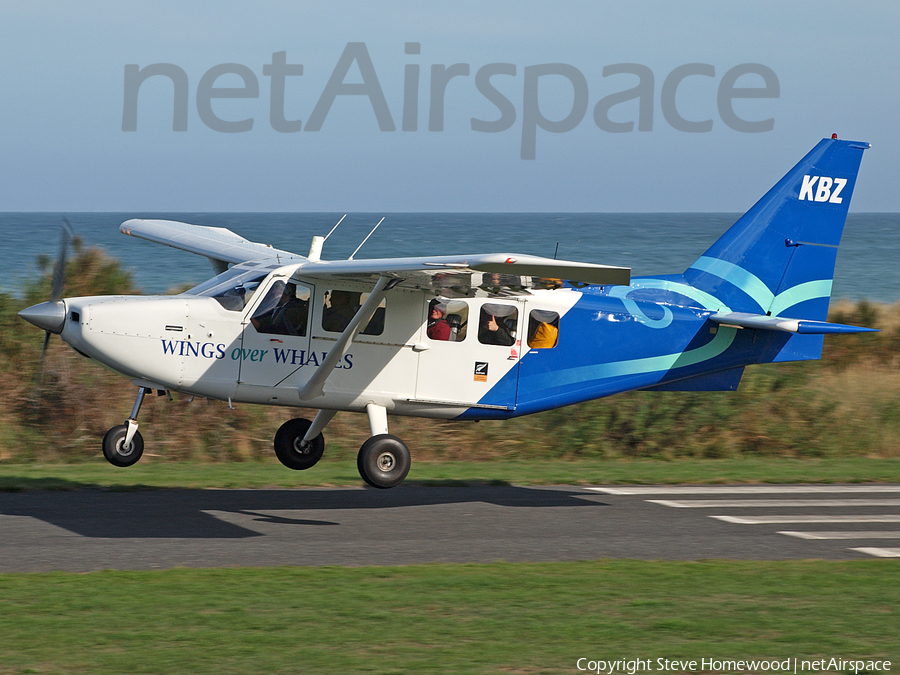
pixel 589 471
pixel 500 618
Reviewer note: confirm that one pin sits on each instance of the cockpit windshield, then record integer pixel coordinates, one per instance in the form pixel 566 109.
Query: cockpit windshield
pixel 233 288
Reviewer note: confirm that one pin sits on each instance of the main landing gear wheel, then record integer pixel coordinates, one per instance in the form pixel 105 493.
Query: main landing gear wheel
pixel 290 448
pixel 383 461
pixel 115 450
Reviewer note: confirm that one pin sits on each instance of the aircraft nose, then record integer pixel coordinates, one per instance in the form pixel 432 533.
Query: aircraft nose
pixel 50 315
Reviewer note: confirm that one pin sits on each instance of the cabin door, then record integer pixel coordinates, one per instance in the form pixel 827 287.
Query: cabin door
pixel 470 352
pixel 275 340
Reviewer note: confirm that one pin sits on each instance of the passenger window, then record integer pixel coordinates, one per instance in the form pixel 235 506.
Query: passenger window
pixel 447 320
pixel 284 310
pixel 543 329
pixel 341 306
pixel 497 325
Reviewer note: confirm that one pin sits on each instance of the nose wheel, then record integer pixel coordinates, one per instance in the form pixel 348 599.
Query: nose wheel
pixel 123 445
pixel 117 451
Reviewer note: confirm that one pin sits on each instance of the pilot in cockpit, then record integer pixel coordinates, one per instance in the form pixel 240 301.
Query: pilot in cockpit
pixel 289 314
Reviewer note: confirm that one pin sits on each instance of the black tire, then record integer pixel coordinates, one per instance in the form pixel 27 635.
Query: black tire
pixel 290 448
pixel 383 461
pixel 114 450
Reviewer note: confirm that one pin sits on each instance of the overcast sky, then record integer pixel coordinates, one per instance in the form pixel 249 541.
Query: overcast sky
pixel 831 67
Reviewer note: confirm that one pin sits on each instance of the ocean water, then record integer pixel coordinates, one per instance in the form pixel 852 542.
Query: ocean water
pixel 650 243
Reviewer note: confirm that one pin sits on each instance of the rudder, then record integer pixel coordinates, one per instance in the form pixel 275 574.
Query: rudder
pixel 778 258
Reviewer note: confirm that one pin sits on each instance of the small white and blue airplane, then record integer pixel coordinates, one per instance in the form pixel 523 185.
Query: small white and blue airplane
pixel 481 336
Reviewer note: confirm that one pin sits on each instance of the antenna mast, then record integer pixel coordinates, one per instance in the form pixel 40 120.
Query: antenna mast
pixel 366 239
pixel 335 226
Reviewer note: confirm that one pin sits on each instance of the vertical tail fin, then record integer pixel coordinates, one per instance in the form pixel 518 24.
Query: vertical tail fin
pixel 778 258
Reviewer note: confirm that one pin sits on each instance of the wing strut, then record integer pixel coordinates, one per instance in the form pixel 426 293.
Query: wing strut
pixel 314 386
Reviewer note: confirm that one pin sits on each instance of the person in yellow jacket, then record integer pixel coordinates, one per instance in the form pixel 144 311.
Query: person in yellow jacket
pixel 543 329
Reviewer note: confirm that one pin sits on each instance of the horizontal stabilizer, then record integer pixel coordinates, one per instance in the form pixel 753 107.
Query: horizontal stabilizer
pixel 785 325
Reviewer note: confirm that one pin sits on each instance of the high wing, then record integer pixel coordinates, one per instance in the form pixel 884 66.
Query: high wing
pixel 450 275
pixel 220 245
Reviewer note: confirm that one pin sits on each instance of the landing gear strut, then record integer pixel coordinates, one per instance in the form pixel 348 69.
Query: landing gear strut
pixel 383 460
pixel 123 445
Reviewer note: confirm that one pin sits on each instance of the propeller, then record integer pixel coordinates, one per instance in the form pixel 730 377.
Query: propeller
pixel 59 280
pixel 51 315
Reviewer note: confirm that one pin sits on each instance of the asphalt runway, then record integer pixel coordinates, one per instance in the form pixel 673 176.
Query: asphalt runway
pixel 89 530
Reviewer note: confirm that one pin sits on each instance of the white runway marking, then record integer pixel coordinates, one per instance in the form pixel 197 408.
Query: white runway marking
pixel 879 552
pixel 843 535
pixel 770 503
pixel 782 520
pixel 822 499
pixel 744 489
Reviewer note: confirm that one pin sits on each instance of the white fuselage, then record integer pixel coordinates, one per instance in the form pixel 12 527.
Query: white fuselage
pixel 194 344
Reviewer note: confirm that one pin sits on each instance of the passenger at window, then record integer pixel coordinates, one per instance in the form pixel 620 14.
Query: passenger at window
pixel 545 336
pixel 494 326
pixel 438 327
pixel 543 329
pixel 343 306
pixel 376 323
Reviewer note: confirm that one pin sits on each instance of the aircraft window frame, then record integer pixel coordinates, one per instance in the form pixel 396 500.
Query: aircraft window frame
pixel 506 319
pixel 455 315
pixel 281 313
pixel 232 289
pixel 538 318
pixel 342 319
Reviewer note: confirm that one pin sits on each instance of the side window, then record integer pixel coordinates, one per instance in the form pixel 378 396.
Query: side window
pixel 284 310
pixel 497 324
pixel 340 308
pixel 543 329
pixel 447 320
